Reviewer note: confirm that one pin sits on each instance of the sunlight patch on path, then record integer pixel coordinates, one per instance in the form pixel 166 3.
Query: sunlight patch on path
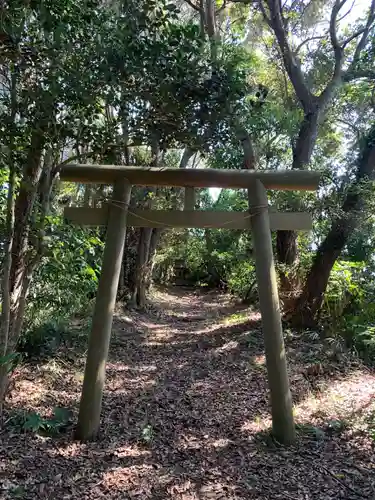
pixel 342 400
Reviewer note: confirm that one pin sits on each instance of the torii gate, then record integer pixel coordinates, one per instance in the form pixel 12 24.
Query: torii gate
pixel 259 219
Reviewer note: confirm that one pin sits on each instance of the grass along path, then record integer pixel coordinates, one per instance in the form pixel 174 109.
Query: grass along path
pixel 186 416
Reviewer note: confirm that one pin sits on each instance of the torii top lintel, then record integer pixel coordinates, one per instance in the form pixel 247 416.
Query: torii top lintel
pixel 191 177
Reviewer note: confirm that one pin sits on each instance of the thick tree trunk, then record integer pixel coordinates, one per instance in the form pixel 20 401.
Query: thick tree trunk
pixel 353 210
pixel 286 247
pixel 310 301
pixel 286 241
pixel 250 159
pixel 128 276
pixel 142 262
pixel 313 106
pixel 210 10
pixel 305 142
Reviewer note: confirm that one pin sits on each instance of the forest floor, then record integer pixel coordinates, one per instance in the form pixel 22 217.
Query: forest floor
pixel 186 414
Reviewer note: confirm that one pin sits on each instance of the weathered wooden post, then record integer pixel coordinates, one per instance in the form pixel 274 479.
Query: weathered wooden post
pixel 93 384
pixel 281 400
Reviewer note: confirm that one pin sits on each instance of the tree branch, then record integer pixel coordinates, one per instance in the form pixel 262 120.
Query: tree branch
pixel 264 13
pixel 338 51
pixel 220 9
pixel 193 6
pixel 292 66
pixel 187 154
pixel 362 42
pixel 351 38
pixel 89 154
pixel 299 47
pixel 346 13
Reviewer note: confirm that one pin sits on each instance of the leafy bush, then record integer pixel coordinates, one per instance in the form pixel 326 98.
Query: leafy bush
pixel 42 340
pixel 349 308
pixel 345 290
pixel 242 280
pixel 67 279
pixel 362 338
pixel 34 422
pixel 11 360
pixel 64 285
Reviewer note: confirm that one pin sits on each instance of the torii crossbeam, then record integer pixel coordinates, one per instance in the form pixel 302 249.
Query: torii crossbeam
pixel 259 219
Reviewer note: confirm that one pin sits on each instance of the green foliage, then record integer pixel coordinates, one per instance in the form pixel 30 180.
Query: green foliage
pixel 344 289
pixel 361 333
pixel 242 280
pixel 148 434
pixel 10 360
pixel 66 281
pixel 349 308
pixel 43 340
pixel 34 422
pixel 64 286
pixel 89 77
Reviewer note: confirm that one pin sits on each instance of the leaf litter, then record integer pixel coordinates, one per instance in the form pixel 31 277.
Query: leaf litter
pixel 186 415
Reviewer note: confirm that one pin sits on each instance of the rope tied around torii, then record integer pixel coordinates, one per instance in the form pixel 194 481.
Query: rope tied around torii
pixel 123 206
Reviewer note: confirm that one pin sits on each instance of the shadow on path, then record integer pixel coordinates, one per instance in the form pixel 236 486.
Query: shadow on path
pixel 186 416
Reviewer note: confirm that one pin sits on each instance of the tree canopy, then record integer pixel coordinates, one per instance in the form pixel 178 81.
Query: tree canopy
pixel 213 84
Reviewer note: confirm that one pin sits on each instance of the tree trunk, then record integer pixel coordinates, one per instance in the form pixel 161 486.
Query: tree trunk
pixel 210 15
pixel 23 208
pixel 6 291
pixel 287 248
pixel 287 255
pixel 15 278
pixel 139 294
pixel 306 140
pixel 353 210
pixel 142 262
pixel 155 238
pixel 87 196
pixel 286 241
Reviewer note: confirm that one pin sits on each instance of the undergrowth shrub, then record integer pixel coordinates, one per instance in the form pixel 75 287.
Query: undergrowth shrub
pixel 43 340
pixel 64 287
pixel 242 281
pixel 349 307
pixel 31 421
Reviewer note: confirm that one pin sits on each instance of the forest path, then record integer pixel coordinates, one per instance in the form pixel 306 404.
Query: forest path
pixel 186 415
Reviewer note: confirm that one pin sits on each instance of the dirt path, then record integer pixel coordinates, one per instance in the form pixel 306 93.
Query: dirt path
pixel 185 415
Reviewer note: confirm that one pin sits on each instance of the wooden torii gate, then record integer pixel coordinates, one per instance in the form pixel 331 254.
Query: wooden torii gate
pixel 115 215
